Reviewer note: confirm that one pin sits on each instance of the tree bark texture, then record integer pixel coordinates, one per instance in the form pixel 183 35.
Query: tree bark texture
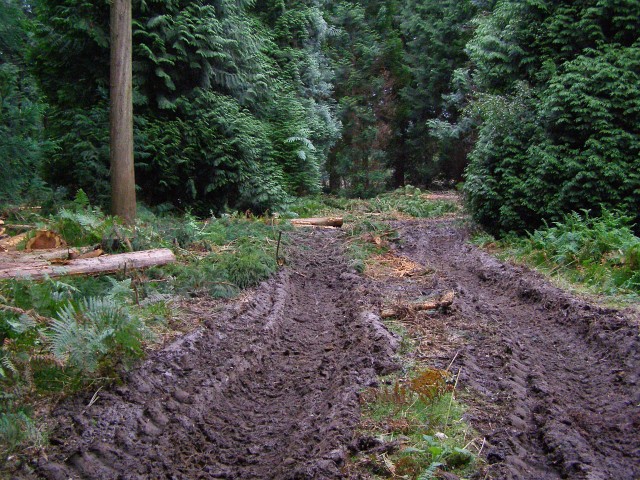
pixel 123 188
pixel 318 222
pixel 87 266
pixel 444 301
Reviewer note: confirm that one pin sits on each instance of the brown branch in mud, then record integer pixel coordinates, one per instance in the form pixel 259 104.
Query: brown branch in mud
pixel 402 311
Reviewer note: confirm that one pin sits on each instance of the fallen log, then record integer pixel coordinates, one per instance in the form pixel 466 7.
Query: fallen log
pixel 444 301
pixel 97 252
pixel 16 256
pixel 88 266
pixel 318 222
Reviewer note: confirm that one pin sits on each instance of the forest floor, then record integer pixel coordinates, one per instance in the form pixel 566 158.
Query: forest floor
pixel 269 386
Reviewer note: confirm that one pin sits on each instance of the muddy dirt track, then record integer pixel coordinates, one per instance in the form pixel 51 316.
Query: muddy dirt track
pixel 269 387
pixel 555 381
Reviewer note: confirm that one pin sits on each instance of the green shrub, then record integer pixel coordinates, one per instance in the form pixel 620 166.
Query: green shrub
pixel 599 251
pixel 242 255
pixel 248 267
pixel 421 411
pixel 411 201
pixel 307 207
pixel 557 114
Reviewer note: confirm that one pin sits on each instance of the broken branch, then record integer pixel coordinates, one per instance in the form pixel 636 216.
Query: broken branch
pixel 444 301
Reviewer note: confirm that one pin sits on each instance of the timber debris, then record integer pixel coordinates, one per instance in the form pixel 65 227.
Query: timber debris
pixel 41 267
pixel 46 254
pixel 442 302
pixel 335 222
pixel 44 240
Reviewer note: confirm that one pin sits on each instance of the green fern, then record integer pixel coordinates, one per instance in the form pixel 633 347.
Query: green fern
pixel 82 336
pixel 22 324
pixel 8 365
pixel 18 430
pixel 120 291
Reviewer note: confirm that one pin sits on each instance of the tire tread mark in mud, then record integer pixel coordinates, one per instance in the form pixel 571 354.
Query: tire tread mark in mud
pixel 268 389
pixel 560 375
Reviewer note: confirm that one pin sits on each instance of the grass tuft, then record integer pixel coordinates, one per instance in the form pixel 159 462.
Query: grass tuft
pixel 420 412
pixel 18 432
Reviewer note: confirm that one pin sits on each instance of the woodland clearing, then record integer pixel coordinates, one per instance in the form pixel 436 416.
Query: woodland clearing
pixel 270 385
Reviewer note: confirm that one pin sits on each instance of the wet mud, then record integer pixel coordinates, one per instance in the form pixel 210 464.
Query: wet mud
pixel 267 389
pixel 553 380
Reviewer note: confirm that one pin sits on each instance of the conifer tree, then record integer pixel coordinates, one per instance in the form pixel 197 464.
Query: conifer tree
pixel 436 33
pixel 22 145
pixel 559 107
pixel 266 83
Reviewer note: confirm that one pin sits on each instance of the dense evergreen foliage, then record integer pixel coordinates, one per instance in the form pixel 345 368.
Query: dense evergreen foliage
pixel 394 65
pixel 559 107
pixel 436 33
pixel 244 104
pixel 21 108
pixel 233 107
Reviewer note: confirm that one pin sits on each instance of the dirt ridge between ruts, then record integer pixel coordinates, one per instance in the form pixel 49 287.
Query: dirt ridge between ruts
pixel 557 378
pixel 267 389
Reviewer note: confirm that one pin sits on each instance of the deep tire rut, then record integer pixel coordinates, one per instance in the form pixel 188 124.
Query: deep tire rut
pixel 267 389
pixel 557 379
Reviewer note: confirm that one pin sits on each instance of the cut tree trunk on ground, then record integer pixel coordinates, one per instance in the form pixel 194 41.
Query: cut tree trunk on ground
pixel 318 222
pixel 444 301
pixel 89 266
pixel 45 240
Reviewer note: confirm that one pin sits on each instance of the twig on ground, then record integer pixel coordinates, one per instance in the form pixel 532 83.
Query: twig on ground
pixel 454 359
pixel 93 400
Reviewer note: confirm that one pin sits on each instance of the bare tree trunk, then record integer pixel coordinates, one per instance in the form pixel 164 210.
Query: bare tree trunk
pixel 123 188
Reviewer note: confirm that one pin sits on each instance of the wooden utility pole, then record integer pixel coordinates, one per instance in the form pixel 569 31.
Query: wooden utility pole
pixel 123 185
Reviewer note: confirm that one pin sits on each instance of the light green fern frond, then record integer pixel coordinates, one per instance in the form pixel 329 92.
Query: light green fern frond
pixel 22 324
pixel 81 337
